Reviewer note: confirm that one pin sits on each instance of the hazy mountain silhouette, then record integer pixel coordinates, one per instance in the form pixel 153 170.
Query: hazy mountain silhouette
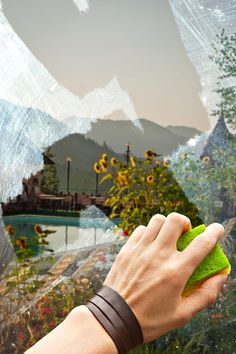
pixel 117 133
pixel 108 136
pixel 187 132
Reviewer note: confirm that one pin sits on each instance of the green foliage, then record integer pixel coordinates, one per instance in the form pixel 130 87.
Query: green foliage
pixel 207 182
pixel 49 311
pixel 49 182
pixel 144 188
pixel 225 58
pixel 211 331
pixel 22 282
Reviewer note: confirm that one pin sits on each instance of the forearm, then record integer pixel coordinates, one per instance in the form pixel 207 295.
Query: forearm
pixel 79 333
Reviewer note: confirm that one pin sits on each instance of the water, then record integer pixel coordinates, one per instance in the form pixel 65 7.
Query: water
pixel 70 233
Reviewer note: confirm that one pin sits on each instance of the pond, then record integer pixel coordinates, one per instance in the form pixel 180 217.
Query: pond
pixel 70 233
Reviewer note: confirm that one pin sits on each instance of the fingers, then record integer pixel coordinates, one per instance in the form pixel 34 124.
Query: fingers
pixel 206 295
pixel 153 229
pixel 175 224
pixel 200 247
pixel 135 236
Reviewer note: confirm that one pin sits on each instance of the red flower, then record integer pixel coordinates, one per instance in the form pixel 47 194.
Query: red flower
pixel 125 233
pixel 20 336
pixel 45 311
pixel 103 258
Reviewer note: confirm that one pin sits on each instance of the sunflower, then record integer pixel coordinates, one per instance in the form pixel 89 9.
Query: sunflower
pixel 10 230
pixel 184 156
pixel 38 229
pixel 103 164
pixel 122 178
pixel 205 160
pixel 104 157
pixel 166 163
pixel 132 161
pixel 149 154
pixel 150 179
pixel 114 161
pixel 97 168
pixel 21 242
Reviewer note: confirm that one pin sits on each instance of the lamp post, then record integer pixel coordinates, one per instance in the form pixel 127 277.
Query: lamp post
pixel 97 170
pixel 68 159
pixel 127 153
pixel 96 192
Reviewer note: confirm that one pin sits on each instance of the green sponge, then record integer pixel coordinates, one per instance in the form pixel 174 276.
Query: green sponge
pixel 215 262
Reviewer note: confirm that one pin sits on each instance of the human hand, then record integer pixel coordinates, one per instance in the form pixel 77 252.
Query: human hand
pixel 150 274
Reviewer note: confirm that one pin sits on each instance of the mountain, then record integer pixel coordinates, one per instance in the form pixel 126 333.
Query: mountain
pixel 84 152
pixel 118 133
pixel 180 130
pixel 108 136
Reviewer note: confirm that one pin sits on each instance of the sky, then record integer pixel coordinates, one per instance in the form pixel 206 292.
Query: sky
pixel 135 40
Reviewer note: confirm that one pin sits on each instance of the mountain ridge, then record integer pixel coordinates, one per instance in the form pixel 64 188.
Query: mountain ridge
pixel 116 133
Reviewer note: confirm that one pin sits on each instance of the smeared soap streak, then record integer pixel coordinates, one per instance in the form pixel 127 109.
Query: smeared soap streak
pixel 199 22
pixel 36 111
pixel 83 5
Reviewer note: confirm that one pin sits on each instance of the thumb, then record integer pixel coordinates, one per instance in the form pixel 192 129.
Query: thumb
pixel 205 295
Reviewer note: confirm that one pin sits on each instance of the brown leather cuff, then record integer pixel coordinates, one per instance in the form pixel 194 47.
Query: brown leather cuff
pixel 117 318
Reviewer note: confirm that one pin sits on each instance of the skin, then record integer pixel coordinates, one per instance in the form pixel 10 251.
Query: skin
pixel 150 274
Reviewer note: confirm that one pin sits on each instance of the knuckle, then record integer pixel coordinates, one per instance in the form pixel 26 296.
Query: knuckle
pixel 179 218
pixel 124 256
pixel 211 298
pixel 158 217
pixel 140 228
pixel 174 216
pixel 171 274
pixel 206 242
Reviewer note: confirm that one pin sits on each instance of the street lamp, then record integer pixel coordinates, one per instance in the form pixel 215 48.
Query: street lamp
pixel 68 159
pixel 127 153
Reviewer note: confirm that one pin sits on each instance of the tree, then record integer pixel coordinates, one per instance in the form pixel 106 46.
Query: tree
pixel 210 180
pixel 49 179
pixel 225 58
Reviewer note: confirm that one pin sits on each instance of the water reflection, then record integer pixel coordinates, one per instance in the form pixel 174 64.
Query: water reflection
pixel 66 237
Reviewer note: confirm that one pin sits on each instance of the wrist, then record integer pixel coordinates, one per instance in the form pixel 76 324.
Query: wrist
pixel 86 323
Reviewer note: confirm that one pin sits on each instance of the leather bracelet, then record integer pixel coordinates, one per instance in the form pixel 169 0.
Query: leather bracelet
pixel 117 318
